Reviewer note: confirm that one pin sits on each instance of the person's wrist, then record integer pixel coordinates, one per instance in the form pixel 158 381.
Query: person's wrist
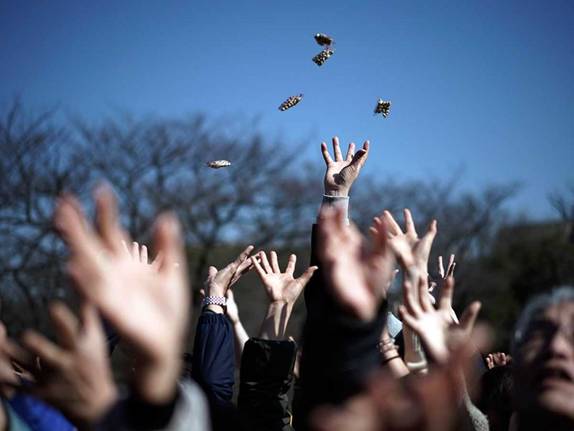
pixel 337 193
pixel 101 403
pixel 216 290
pixel 156 381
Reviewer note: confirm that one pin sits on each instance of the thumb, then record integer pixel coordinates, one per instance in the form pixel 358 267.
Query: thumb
pixel 306 276
pixel 468 318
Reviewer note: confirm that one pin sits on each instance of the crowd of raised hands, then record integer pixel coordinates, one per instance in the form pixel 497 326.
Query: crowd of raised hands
pixel 363 362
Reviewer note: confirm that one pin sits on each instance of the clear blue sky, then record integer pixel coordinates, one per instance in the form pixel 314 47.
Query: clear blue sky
pixel 484 85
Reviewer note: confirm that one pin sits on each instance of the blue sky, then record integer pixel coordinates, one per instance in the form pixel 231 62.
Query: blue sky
pixel 485 85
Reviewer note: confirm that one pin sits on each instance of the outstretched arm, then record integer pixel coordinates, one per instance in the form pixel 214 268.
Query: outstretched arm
pixel 268 362
pixel 213 364
pixel 149 309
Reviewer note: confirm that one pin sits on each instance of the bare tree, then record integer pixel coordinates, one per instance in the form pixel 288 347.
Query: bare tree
pixel 563 203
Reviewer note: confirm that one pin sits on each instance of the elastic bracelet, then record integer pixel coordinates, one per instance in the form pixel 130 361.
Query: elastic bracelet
pixel 392 358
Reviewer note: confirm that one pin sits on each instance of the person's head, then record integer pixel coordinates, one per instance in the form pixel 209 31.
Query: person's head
pixel 543 352
pixel 496 397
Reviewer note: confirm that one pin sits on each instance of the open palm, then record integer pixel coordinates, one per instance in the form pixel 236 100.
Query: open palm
pixel 342 172
pixel 281 286
pixel 149 306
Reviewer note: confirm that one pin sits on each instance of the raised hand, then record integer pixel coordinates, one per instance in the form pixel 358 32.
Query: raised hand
pixel 420 247
pixel 282 288
pixel 342 173
pixel 436 327
pixel 149 308
pixel 75 375
pixel 358 276
pixel 219 281
pixel 497 359
pixel 424 402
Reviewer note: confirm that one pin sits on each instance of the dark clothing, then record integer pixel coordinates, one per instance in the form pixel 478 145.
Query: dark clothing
pixel 339 351
pixel 213 367
pixel 266 377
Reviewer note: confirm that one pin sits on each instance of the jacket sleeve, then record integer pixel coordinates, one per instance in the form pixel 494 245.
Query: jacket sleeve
pixel 339 351
pixel 213 365
pixel 266 377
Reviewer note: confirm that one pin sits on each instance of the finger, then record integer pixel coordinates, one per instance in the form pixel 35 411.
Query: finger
pixel 258 267
pixel 350 152
pixel 361 156
pixel 326 155
pixel 451 270
pixel 157 262
pixel 392 226
pixel 291 264
pixel 265 262
pixel 143 255
pixel 126 249
pixel 409 223
pixel 428 238
pixel 445 300
pixel 66 324
pixel 451 265
pixel 409 299
pixel 242 257
pixel 245 266
pixel 407 318
pixel 107 220
pixel 468 318
pixel 306 276
pixel 211 272
pixel 169 239
pixel 40 346
pixel 19 356
pixel 275 262
pixel 426 305
pixel 440 267
pixel 136 251
pixel 74 229
pixel 337 149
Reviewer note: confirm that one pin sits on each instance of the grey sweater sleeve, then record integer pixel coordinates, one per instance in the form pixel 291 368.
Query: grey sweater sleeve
pixel 474 419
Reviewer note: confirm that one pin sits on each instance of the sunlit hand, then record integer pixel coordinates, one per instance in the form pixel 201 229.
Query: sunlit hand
pixel 75 375
pixel 359 277
pixel 218 281
pixel 342 173
pixel 435 327
pixel 420 247
pixel 283 289
pixel 281 286
pixel 149 308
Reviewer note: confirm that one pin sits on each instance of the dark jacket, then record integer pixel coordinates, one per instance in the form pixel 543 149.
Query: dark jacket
pixel 213 367
pixel 339 351
pixel 266 377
